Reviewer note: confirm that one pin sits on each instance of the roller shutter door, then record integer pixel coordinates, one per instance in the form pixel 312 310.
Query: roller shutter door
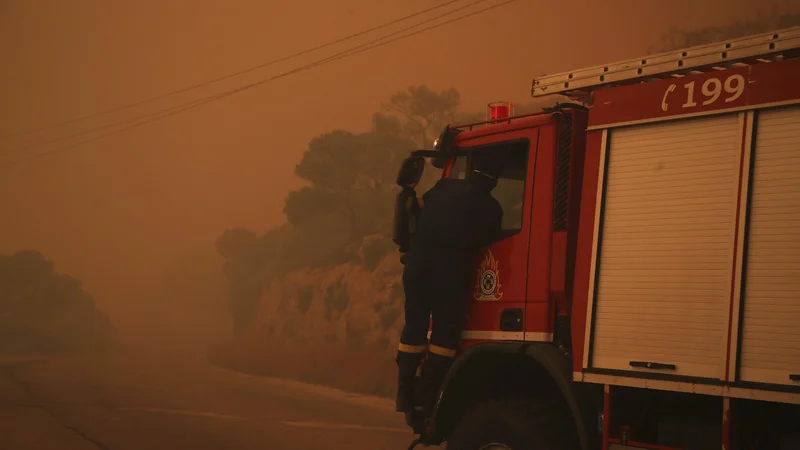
pixel 665 257
pixel 770 333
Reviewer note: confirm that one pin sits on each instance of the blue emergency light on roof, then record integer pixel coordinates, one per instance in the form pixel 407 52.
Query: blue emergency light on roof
pixel 500 110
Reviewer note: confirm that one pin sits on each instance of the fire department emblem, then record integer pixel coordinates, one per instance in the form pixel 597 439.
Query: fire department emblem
pixel 488 286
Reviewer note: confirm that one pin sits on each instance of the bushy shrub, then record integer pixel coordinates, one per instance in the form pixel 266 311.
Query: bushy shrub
pixel 304 299
pixel 336 298
pixel 375 250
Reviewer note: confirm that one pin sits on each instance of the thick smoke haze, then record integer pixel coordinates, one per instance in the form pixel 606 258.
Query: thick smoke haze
pixel 121 212
pixel 149 279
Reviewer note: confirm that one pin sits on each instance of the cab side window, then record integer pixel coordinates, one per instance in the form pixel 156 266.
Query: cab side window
pixel 510 189
pixel 459 168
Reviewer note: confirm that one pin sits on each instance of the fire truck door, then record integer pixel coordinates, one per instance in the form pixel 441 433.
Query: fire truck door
pixel 498 289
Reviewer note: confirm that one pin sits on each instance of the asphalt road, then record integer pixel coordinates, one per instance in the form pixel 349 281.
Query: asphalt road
pixel 161 403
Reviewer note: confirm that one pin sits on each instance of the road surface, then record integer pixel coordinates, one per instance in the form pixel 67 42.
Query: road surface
pixel 155 403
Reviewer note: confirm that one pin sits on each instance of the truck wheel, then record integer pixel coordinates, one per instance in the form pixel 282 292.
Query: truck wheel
pixel 515 424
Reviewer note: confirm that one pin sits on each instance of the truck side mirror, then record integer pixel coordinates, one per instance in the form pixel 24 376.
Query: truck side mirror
pixel 411 171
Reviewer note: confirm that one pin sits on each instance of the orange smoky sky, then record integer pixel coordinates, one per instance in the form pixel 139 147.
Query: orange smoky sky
pixel 117 211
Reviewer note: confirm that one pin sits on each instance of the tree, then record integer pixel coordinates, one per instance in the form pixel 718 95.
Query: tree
pixel 44 311
pixel 25 269
pixel 243 260
pixel 426 112
pixel 238 244
pixel 677 38
pixel 350 178
pixel 306 204
pixel 387 125
pixel 348 195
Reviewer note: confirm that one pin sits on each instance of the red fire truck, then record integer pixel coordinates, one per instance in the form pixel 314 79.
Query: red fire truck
pixel 647 292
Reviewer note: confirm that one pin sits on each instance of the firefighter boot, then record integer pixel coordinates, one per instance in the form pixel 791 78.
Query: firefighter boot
pixel 433 373
pixel 434 370
pixel 415 417
pixel 407 366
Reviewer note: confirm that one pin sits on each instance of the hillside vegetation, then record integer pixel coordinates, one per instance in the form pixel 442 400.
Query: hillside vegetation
pixel 43 312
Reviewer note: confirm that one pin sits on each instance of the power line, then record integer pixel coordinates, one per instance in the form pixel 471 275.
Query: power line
pixel 347 53
pixel 100 128
pixel 230 75
pixel 180 106
pixel 344 54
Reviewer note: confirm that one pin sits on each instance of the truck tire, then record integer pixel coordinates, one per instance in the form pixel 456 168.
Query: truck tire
pixel 515 424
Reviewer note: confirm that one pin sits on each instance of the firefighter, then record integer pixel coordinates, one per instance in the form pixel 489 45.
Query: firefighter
pixel 458 219
pixel 407 207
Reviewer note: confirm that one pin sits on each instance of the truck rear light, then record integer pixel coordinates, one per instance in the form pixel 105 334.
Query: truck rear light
pixel 500 110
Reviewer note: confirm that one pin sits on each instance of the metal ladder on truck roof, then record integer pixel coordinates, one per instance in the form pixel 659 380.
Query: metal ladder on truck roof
pixel 766 47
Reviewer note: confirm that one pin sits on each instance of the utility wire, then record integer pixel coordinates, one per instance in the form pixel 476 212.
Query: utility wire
pixel 180 106
pixel 230 75
pixel 347 53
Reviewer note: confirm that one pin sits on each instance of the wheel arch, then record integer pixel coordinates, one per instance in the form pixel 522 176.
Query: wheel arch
pixel 523 368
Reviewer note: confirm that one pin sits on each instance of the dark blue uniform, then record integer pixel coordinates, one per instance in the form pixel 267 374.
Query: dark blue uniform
pixel 458 218
pixel 406 211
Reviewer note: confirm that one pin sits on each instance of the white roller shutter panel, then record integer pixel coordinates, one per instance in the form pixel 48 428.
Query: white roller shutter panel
pixel 666 251
pixel 771 324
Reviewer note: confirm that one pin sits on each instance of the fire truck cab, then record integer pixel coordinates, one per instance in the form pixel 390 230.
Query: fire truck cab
pixel 647 292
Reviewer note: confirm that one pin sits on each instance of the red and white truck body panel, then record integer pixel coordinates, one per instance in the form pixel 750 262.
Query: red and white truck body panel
pixel 688 264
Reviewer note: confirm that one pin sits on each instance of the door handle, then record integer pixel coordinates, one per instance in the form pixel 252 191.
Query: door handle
pixel 511 319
